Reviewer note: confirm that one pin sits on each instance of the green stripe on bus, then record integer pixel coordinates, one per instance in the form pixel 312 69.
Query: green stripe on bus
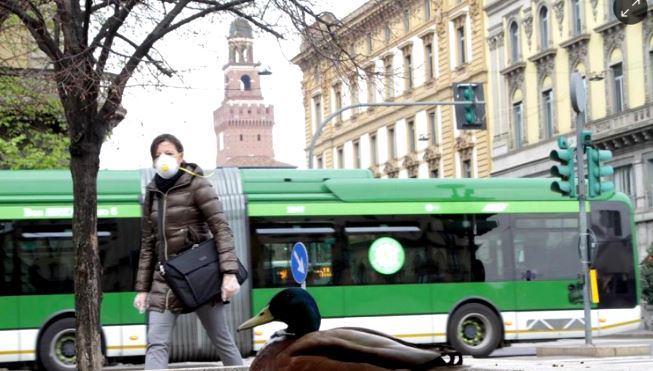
pixel 430 298
pixel 32 311
pixel 389 208
pixel 66 211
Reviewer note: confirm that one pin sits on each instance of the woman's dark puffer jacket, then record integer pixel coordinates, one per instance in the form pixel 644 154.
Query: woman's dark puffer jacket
pixel 192 214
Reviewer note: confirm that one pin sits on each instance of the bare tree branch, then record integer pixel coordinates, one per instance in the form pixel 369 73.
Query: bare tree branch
pixel 36 28
pixel 158 64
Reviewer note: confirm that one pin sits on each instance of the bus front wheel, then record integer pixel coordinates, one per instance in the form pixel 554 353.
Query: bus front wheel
pixel 57 346
pixel 474 329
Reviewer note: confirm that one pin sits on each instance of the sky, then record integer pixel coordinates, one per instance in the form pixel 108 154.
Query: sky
pixel 184 107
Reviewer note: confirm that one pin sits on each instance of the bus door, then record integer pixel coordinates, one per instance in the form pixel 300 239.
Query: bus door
pixel 549 301
pixel 613 259
pixel 9 346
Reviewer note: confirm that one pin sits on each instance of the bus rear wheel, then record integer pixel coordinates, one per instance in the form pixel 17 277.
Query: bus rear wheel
pixel 57 346
pixel 474 329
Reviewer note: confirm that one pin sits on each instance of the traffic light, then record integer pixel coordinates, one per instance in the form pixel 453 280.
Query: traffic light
pixel 595 171
pixel 471 114
pixel 566 171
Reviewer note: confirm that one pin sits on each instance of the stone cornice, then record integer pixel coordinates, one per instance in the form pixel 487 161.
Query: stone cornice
pixel 548 53
pixel 582 38
pixel 608 26
pixel 513 68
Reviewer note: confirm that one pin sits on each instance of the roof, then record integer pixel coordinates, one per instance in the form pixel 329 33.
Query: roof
pixel 255 162
pixel 240 28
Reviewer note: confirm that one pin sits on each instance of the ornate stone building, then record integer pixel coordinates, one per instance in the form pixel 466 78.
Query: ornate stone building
pixel 532 48
pixel 243 123
pixel 411 50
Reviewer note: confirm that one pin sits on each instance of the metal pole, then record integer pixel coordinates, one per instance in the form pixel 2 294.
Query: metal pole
pixel 582 228
pixel 318 131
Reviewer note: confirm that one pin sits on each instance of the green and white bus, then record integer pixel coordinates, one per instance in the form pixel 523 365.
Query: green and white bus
pixel 477 263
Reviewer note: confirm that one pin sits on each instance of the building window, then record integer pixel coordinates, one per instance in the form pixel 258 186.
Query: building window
pixel 518 123
pixel 353 87
pixel 406 20
pixel 576 17
pixel 408 71
pixel 618 87
pixel 241 137
pixel 258 137
pixel 544 28
pixel 650 73
pixel 317 110
pixel 337 96
pixel 428 58
pixel 649 187
pixel 341 158
pixel 514 42
pixel 369 43
pixel 371 86
pixel 387 33
pixel 245 83
pixel 460 33
pixel 357 155
pixel 320 163
pixel 547 112
pixel 611 15
pixel 389 78
pixel 410 133
pixel 467 168
pixel 433 127
pixel 427 10
pixel 374 157
pixel 623 180
pixel 392 148
pixel 434 173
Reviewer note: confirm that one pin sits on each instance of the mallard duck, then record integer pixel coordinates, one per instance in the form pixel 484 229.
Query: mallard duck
pixel 302 347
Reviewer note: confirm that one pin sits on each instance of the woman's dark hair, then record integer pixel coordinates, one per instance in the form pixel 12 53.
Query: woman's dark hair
pixel 165 138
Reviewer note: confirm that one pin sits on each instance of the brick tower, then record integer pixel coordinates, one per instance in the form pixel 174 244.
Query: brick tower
pixel 243 123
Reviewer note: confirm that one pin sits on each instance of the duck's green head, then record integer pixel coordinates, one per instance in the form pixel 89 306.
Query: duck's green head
pixel 292 306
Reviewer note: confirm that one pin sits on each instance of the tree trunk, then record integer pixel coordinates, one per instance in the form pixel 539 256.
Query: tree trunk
pixel 84 165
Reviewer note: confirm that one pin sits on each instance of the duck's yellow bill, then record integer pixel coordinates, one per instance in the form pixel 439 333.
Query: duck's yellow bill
pixel 264 316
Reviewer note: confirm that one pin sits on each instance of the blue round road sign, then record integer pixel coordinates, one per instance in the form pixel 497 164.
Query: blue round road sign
pixel 299 262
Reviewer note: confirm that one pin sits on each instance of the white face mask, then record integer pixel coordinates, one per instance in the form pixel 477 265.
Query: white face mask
pixel 166 166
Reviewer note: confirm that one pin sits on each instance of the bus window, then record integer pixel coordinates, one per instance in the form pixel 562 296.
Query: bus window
pixel 7 259
pixel 45 255
pixel 492 255
pixel 272 243
pixel 612 256
pixel 546 247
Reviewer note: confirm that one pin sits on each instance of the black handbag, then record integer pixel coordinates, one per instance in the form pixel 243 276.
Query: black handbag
pixel 194 275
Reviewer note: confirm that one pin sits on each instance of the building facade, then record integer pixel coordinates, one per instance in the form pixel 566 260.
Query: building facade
pixel 532 49
pixel 243 123
pixel 406 51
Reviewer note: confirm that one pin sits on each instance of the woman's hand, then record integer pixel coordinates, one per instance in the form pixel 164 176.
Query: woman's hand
pixel 230 287
pixel 140 301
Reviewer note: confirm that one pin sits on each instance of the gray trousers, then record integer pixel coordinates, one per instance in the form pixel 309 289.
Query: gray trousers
pixel 213 319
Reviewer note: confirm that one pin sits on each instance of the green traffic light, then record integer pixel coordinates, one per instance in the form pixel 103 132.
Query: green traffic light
pixel 566 185
pixel 470 110
pixel 595 171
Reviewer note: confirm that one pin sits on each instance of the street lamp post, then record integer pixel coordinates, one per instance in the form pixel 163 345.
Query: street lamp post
pixel 318 131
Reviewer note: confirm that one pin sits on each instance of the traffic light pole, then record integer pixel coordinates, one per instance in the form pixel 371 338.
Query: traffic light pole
pixel 582 228
pixel 318 131
pixel 579 104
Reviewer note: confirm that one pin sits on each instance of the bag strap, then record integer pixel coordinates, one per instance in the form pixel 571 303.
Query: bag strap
pixel 151 196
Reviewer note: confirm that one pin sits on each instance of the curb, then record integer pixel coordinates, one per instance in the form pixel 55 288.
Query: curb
pixel 623 350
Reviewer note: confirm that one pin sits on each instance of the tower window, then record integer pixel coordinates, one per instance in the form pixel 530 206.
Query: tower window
pixel 245 83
